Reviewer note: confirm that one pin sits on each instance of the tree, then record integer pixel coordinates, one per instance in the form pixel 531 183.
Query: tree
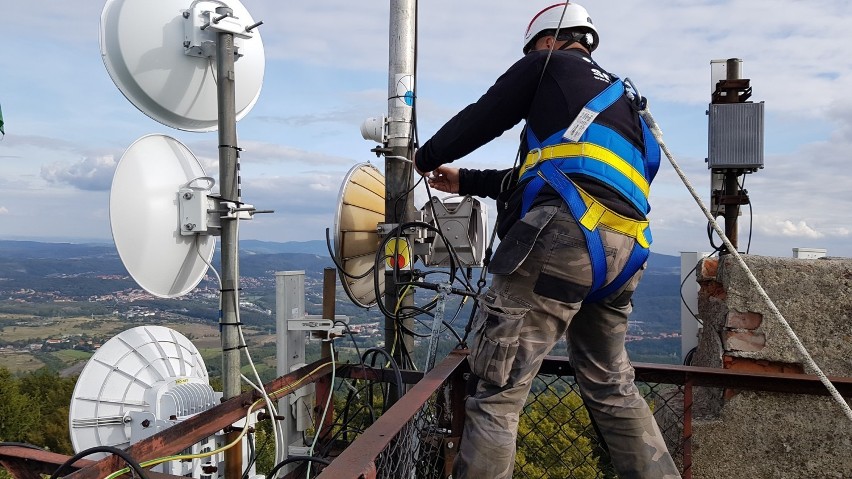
pixel 19 420
pixel 51 397
pixel 552 438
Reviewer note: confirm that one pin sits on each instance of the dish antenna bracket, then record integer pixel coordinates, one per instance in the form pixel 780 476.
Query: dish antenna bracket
pixel 197 209
pixel 202 212
pixel 201 24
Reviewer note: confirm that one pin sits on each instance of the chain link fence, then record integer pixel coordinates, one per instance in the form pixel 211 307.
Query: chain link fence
pixel 413 439
pixel 556 438
pixel 415 451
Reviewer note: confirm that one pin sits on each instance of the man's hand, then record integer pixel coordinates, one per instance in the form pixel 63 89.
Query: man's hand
pixel 445 179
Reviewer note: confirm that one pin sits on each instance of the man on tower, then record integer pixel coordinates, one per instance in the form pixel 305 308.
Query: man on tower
pixel 574 241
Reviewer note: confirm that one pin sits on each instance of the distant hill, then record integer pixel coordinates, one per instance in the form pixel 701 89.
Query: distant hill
pixel 659 263
pixel 31 260
pixel 39 250
pixel 51 274
pixel 316 247
pixel 60 249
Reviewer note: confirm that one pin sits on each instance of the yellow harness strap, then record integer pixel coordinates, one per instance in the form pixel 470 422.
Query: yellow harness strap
pixel 598 214
pixel 588 150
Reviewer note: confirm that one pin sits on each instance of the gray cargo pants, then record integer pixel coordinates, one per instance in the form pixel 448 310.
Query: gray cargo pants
pixel 541 274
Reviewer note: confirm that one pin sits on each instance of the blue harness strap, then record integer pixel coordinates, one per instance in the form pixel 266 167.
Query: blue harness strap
pixel 637 258
pixel 530 192
pixel 606 98
pixel 551 175
pixel 568 191
pixel 548 172
pixel 590 111
pixel 652 151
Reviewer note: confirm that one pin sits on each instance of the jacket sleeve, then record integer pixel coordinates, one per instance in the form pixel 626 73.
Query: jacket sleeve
pixel 503 106
pixel 484 183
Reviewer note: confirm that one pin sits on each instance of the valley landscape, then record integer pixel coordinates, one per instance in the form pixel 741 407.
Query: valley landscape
pixel 60 301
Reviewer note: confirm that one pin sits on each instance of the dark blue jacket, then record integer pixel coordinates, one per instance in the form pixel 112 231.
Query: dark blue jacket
pixel 548 103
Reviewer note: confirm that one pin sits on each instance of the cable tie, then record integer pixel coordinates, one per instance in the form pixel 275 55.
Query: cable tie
pixel 241 346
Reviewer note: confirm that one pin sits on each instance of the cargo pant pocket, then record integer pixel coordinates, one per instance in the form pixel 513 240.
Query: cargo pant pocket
pixel 514 249
pixel 497 330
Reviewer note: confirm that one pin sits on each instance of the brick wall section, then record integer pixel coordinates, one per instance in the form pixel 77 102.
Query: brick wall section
pixel 751 434
pixel 814 296
pixel 750 341
pixel 747 320
pixel 740 333
pixel 761 366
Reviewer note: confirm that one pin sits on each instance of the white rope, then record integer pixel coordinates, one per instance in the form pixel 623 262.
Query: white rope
pixel 658 134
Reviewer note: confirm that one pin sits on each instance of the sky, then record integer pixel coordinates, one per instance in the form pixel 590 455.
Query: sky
pixel 326 70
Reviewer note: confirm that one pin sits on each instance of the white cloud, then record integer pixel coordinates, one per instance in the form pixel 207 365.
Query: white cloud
pixel 797 47
pixel 773 226
pixel 299 194
pixel 304 205
pixel 4 210
pixel 93 174
pixel 337 33
pixel 320 187
pixel 348 111
pixel 327 70
pixel 839 232
pixel 666 46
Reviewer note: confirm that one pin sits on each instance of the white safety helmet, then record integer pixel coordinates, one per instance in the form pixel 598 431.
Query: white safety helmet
pixel 574 17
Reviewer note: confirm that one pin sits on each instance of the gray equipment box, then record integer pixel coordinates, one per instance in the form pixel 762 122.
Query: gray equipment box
pixel 735 136
pixel 463 220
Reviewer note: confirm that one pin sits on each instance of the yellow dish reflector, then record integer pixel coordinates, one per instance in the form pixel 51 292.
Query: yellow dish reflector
pixel 361 208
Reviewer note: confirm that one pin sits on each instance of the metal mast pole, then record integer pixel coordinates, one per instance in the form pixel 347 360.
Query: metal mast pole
pixel 398 200
pixel 732 184
pixel 734 89
pixel 229 191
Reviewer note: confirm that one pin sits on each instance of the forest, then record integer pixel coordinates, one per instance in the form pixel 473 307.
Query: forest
pixel 556 438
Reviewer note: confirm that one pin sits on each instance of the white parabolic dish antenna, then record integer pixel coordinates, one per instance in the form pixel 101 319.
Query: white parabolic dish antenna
pixel 144 45
pixel 361 208
pixel 145 218
pixel 145 370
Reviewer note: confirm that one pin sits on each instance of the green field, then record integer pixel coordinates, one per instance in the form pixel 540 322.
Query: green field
pixel 32 329
pixel 23 330
pixel 20 362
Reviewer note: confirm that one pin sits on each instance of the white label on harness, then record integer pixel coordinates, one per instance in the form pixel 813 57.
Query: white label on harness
pixel 580 124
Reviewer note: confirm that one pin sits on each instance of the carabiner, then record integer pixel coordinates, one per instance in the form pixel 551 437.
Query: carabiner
pixel 639 102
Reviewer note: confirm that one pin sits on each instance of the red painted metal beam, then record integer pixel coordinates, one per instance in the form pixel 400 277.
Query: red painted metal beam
pixel 687 430
pixel 30 463
pixel 358 460
pixel 717 377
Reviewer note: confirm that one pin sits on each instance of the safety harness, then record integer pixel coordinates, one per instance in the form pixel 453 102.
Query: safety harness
pixel 597 151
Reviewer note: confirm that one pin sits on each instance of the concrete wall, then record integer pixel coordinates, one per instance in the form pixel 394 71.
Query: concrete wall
pixel 763 435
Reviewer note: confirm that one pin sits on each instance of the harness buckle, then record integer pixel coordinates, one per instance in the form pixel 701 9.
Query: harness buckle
pixel 537 153
pixel 530 164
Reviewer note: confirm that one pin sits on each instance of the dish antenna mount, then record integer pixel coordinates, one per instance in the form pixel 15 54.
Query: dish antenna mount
pixel 174 63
